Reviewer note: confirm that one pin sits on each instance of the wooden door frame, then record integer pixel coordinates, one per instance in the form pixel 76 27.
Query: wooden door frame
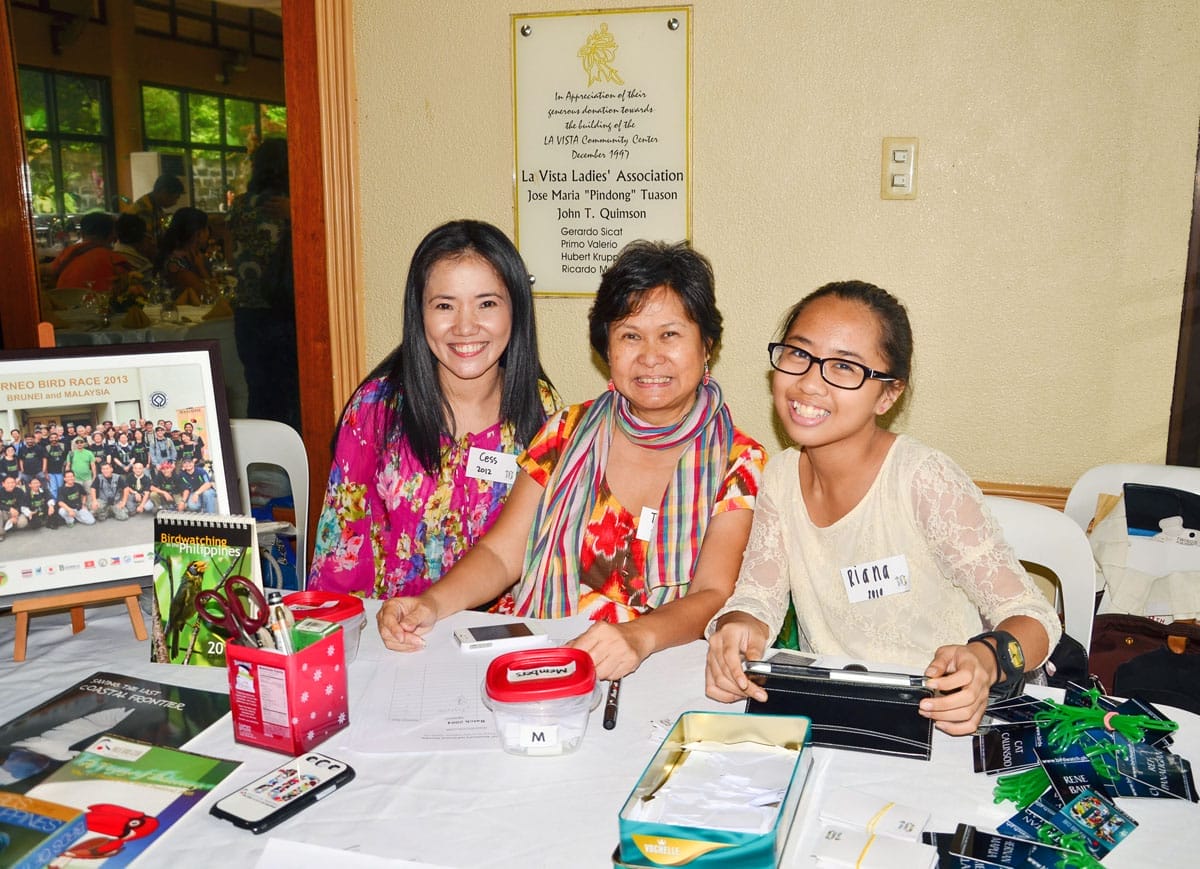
pixel 322 146
pixel 1183 435
pixel 19 313
pixel 322 157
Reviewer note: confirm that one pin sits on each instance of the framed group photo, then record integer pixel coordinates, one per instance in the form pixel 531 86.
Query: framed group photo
pixel 150 419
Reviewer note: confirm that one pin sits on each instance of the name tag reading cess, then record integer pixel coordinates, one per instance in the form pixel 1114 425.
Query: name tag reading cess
pixel 876 579
pixel 493 466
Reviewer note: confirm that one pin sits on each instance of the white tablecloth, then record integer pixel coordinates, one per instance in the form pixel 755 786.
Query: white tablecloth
pixel 83 330
pixel 485 808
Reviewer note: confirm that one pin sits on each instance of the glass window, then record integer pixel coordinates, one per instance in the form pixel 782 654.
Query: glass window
pixel 239 121
pixel 213 132
pixel 204 118
pixel 208 181
pixel 274 120
pixel 84 184
pixel 80 104
pixel 162 114
pixel 42 184
pixel 68 141
pixel 33 100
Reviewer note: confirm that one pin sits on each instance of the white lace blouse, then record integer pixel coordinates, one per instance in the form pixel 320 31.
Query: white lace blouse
pixel 962 576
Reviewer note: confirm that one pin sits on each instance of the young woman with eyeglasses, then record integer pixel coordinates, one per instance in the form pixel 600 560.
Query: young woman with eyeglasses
pixel 883 544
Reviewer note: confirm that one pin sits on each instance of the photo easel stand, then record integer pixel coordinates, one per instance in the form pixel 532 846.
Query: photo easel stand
pixel 75 602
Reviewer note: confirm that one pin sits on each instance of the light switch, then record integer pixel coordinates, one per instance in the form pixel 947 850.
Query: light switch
pixel 898 174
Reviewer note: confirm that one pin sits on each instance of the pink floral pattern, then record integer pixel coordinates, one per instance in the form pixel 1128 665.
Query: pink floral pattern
pixel 388 528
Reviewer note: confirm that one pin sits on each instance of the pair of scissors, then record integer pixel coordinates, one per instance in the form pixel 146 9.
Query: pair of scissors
pixel 235 608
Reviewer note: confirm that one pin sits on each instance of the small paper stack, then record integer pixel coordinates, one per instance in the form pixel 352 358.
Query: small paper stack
pixel 864 831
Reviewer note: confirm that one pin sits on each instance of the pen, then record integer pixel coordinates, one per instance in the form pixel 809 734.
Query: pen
pixel 610 705
pixel 280 628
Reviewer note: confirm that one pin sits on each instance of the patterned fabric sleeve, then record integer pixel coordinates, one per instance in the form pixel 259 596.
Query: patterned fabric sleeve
pixel 343 559
pixel 966 540
pixel 763 587
pixel 543 451
pixel 747 459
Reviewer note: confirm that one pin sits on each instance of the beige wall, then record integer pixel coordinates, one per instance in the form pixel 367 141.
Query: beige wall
pixel 1042 263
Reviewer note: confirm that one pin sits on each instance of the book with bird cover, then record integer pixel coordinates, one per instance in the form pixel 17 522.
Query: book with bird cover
pixel 37 742
pixel 195 552
pixel 34 832
pixel 132 792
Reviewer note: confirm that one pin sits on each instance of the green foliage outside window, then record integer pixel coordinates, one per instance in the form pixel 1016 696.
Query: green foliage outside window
pixel 215 132
pixel 67 141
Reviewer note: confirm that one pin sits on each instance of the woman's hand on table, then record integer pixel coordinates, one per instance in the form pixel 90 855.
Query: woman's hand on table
pixel 963 675
pixel 738 637
pixel 616 650
pixel 403 622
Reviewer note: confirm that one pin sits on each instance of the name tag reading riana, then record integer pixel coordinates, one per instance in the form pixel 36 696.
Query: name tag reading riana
pixel 876 579
pixel 492 466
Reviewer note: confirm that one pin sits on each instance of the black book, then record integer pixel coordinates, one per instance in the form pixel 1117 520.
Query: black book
pixel 36 743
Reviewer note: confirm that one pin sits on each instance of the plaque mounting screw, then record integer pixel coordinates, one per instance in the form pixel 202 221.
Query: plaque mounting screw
pixel 672 24
pixel 526 30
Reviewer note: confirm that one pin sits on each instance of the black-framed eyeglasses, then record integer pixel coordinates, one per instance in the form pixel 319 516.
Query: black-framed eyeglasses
pixel 842 373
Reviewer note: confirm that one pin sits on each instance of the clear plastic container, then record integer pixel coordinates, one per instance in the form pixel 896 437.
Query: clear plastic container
pixel 344 609
pixel 541 699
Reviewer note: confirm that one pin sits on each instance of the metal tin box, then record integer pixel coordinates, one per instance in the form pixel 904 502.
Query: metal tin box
pixel 652 844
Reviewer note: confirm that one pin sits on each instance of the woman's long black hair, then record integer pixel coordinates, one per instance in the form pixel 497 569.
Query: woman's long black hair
pixel 410 374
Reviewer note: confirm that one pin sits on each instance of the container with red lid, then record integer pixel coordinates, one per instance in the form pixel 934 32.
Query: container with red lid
pixel 541 699
pixel 343 609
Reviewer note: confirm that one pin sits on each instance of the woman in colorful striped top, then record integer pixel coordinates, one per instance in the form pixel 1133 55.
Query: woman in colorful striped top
pixel 632 508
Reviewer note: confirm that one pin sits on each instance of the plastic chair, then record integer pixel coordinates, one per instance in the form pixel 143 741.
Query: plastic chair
pixel 1108 479
pixel 1043 536
pixel 269 442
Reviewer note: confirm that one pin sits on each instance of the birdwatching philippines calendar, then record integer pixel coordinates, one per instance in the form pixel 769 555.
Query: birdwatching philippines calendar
pixel 194 552
pixel 602 125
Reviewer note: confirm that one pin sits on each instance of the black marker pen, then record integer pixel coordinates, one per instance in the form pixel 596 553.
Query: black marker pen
pixel 610 705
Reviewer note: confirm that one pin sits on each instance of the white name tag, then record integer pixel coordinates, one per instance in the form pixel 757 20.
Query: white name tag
pixel 875 579
pixel 646 523
pixel 493 466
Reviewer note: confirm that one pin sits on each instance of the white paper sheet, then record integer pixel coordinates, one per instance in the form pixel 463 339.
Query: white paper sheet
pixel 285 854
pixel 432 700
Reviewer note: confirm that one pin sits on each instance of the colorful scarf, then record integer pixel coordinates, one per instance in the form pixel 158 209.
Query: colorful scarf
pixel 550 586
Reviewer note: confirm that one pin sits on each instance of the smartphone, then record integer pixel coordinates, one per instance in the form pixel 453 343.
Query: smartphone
pixel 510 635
pixel 283 792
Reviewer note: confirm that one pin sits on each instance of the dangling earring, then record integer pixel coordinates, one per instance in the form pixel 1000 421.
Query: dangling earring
pixel 707 376
pixel 612 387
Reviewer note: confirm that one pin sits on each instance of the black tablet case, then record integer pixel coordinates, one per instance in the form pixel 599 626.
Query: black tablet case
pixel 882 719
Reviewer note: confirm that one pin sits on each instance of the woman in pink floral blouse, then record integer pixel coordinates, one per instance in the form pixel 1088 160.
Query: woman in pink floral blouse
pixel 426 449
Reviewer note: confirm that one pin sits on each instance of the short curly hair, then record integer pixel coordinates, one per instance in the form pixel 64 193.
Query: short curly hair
pixel 644 266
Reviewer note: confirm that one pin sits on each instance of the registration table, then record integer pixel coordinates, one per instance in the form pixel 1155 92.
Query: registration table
pixel 485 808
